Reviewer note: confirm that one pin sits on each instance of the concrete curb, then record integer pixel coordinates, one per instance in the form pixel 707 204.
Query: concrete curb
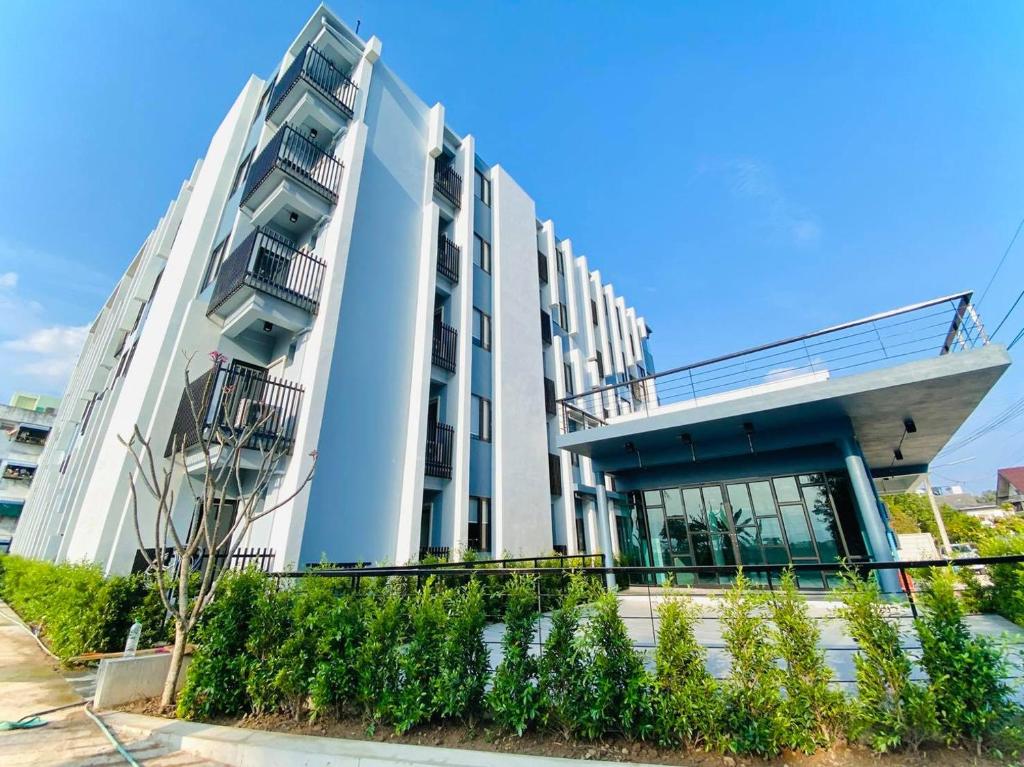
pixel 256 748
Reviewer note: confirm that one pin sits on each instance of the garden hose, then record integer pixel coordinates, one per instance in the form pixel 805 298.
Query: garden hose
pixel 110 736
pixel 30 721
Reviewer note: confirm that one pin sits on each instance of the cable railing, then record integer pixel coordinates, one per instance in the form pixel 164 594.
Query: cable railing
pixel 933 328
pixel 301 159
pixel 317 70
pixel 272 266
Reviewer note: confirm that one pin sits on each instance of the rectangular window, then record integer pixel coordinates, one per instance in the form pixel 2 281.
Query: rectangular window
pixel 593 311
pixel 545 326
pixel 563 317
pixel 240 173
pixel 570 385
pixel 482 253
pixel 549 396
pixel 542 267
pixel 479 527
pixel 482 187
pixel 555 472
pixel 213 266
pixel 481 329
pixel 480 418
pixel 559 261
pixel 600 365
pixel 263 100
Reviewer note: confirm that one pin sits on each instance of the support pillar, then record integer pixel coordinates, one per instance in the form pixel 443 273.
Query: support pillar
pixel 870 516
pixel 604 531
pixel 947 548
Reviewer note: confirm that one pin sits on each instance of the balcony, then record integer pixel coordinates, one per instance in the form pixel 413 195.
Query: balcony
pixel 293 182
pixel 32 435
pixel 448 257
pixel 446 346
pixel 266 280
pixel 18 472
pixel 448 183
pixel 313 83
pixel 236 402
pixel 440 444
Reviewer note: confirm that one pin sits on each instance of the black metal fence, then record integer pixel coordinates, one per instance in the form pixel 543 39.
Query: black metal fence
pixel 231 400
pixel 448 256
pixel 932 328
pixel 301 159
pixel 272 266
pixel 241 559
pixel 445 347
pixel 440 444
pixel 315 68
pixel 448 183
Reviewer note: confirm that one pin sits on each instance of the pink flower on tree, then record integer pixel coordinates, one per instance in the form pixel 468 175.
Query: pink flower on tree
pixel 218 358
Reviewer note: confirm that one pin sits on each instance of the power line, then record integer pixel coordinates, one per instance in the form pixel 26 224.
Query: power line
pixel 1011 413
pixel 1007 315
pixel 1001 262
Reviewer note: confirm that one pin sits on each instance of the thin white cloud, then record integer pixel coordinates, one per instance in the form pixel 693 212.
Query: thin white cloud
pixel 8 280
pixel 755 181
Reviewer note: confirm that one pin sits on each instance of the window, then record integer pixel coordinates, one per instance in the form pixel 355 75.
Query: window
pixel 479 529
pixel 545 326
pixel 550 399
pixel 263 100
pixel 559 261
pixel 563 316
pixel 481 329
pixel 600 365
pixel 555 472
pixel 481 187
pixel 240 173
pixel 482 253
pixel 216 257
pixel 542 267
pixel 480 418
pixel 570 386
pixel 593 311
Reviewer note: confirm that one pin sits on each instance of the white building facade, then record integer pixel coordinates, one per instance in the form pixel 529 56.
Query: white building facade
pixel 25 425
pixel 401 308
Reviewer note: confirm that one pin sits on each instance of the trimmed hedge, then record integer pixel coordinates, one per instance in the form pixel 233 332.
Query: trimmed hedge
pixel 76 608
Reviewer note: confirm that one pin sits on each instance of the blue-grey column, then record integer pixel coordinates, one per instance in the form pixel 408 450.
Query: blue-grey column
pixel 870 517
pixel 604 531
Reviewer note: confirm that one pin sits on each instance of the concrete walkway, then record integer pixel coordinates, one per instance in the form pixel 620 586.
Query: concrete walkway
pixel 31 681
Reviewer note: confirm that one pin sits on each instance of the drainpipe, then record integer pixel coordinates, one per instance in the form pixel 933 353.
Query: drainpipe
pixel 604 531
pixel 870 518
pixel 947 549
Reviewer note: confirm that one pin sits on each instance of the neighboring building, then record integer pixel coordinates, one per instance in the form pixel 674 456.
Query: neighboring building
pixel 987 513
pixel 1010 487
pixel 26 425
pixel 779 453
pixel 388 295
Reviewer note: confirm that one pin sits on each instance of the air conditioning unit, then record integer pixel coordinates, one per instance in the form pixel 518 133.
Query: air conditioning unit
pixel 255 411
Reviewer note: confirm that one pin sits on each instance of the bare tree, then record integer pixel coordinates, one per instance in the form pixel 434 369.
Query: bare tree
pixel 223 415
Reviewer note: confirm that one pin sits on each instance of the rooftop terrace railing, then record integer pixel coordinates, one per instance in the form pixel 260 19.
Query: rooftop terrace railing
pixel 932 328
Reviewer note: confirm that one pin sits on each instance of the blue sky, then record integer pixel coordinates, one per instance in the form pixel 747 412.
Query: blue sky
pixel 741 171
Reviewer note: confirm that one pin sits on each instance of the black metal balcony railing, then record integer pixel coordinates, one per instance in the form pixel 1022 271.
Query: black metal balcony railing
pixel 270 265
pixel 941 326
pixel 440 443
pixel 448 183
pixel 230 401
pixel 446 346
pixel 317 70
pixel 301 159
pixel 448 256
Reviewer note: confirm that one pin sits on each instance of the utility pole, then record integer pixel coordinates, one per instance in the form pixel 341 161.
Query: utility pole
pixel 947 549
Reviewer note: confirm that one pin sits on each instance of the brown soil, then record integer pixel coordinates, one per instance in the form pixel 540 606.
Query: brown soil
pixel 616 750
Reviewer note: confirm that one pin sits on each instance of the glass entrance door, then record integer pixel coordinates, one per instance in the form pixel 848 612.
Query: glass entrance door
pixel 774 520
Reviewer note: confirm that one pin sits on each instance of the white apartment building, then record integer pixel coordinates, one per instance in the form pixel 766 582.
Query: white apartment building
pixel 25 424
pixel 402 308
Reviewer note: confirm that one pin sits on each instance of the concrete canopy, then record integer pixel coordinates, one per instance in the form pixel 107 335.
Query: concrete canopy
pixel 938 394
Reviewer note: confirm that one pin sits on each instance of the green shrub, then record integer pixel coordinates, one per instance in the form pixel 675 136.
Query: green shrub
pixel 335 682
pixel 815 712
pixel 561 667
pixel 890 711
pixel 298 656
pixel 462 679
pixel 215 682
pixel 378 687
pixel 755 719
pixel 617 691
pixel 514 698
pixel 689 702
pixel 1004 593
pixel 270 627
pixel 420 661
pixel 972 701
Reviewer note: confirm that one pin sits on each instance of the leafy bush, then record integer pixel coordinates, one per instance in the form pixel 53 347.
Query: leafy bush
pixel 464 667
pixel 561 667
pixel 689 703
pixel 269 628
pixel 420 661
pixel 215 682
pixel 515 698
pixel 335 680
pixel 378 687
pixel 972 701
pixel 755 719
pixel 815 712
pixel 298 656
pixel 1004 593
pixel 890 711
